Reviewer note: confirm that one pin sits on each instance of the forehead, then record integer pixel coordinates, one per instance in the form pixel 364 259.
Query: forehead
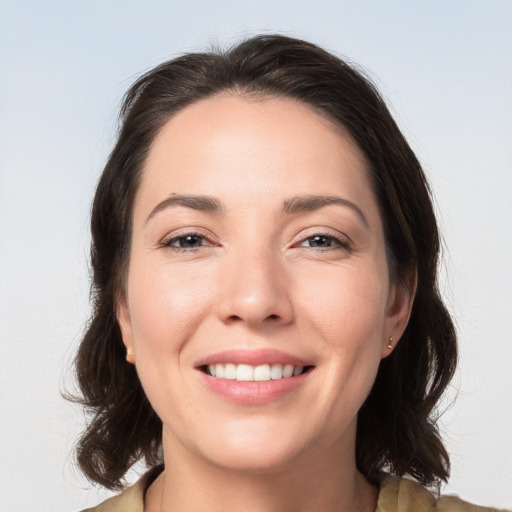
pixel 237 147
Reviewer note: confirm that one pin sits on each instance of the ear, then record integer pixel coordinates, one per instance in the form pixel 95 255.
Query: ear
pixel 125 326
pixel 399 307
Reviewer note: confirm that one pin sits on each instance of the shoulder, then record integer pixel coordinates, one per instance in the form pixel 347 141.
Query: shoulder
pixel 132 498
pixel 402 495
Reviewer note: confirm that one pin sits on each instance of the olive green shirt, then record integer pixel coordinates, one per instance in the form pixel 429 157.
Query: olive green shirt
pixel 395 495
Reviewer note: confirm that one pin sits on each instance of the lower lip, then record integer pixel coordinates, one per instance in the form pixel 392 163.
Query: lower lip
pixel 253 393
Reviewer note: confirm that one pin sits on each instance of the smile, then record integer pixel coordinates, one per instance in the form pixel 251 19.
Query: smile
pixel 249 373
pixel 253 377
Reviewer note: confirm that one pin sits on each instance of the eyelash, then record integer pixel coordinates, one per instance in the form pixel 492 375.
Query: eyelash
pixel 339 243
pixel 168 242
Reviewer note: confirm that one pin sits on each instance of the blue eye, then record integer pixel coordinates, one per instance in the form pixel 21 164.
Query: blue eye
pixel 323 242
pixel 186 242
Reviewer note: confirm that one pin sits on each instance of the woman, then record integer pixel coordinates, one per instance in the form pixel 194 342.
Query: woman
pixel 266 324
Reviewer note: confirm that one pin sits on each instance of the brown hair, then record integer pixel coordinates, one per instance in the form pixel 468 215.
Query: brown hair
pixel 396 424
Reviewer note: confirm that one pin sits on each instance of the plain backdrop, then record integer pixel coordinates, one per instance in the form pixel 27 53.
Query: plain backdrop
pixel 444 67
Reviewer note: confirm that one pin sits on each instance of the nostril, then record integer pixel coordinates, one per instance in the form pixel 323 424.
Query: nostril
pixel 234 318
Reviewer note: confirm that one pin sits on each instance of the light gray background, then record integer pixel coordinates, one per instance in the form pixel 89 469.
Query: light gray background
pixel 446 69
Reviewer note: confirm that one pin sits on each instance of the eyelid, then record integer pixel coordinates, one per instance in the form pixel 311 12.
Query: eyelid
pixel 343 242
pixel 187 231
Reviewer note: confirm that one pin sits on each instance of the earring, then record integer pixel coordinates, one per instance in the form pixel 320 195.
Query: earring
pixel 390 343
pixel 129 356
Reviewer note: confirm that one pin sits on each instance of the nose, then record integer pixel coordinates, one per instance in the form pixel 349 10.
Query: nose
pixel 255 291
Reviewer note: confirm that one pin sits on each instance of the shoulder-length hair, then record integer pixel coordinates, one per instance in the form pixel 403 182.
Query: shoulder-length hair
pixel 397 424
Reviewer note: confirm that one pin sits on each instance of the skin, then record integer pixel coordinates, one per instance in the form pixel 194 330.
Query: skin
pixel 256 278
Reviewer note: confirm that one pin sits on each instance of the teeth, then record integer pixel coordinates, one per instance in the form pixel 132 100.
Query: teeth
pixel 287 371
pixel 276 371
pixel 262 372
pixel 248 373
pixel 297 370
pixel 244 372
pixel 219 371
pixel 230 371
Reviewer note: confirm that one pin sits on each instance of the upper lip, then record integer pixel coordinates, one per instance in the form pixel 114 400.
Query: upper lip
pixel 253 358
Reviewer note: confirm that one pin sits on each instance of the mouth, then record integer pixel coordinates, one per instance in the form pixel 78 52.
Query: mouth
pixel 253 377
pixel 250 373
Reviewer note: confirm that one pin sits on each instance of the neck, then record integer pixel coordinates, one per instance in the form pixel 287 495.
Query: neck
pixel 325 482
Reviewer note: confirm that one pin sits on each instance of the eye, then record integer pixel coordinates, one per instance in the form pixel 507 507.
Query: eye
pixel 324 242
pixel 186 242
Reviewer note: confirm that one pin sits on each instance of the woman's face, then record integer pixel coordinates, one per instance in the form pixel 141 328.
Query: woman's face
pixel 257 251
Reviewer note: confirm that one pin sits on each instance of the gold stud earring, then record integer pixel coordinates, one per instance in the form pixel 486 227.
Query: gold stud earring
pixel 390 343
pixel 129 356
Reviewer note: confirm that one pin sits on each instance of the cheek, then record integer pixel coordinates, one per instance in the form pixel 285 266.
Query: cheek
pixel 346 307
pixel 166 304
pixel 344 312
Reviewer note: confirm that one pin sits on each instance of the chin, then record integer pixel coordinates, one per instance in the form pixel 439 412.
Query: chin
pixel 252 460
pixel 252 450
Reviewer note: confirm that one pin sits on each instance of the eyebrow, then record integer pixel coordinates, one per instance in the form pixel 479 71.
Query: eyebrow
pixel 303 204
pixel 294 205
pixel 200 203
